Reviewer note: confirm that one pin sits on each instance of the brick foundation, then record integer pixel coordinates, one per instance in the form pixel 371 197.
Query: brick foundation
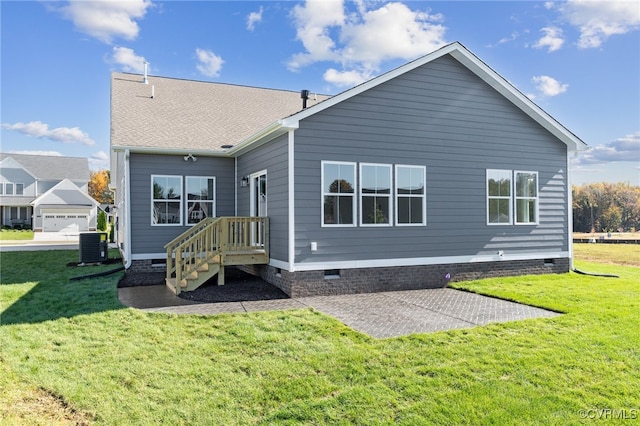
pixel 370 280
pixel 148 266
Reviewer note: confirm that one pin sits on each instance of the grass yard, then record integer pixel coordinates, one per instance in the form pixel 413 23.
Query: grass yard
pixel 71 354
pixel 16 234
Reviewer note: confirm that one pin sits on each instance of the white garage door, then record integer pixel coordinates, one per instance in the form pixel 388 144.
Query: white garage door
pixel 67 223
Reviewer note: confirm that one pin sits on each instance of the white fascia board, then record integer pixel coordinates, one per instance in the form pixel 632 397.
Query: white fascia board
pixel 508 90
pixel 170 151
pixel 419 261
pixel 478 67
pixel 295 118
pixel 273 130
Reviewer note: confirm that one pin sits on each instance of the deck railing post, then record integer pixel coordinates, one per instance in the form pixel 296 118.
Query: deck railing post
pixel 178 262
pixel 169 262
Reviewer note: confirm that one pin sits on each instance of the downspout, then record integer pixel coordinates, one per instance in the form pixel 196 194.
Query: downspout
pixel 291 195
pixel 127 210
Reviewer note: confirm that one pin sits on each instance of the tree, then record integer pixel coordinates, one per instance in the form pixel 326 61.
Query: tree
pixel 606 207
pixel 102 221
pixel 99 187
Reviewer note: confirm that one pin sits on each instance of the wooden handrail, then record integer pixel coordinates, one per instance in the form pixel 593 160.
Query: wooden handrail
pixel 213 237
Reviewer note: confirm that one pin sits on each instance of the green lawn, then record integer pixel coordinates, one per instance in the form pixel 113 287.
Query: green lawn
pixel 16 234
pixel 71 354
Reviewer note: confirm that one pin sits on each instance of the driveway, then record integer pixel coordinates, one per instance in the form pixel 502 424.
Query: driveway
pixel 380 315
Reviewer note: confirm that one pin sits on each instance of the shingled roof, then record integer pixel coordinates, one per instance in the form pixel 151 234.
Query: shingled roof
pixel 169 113
pixel 52 167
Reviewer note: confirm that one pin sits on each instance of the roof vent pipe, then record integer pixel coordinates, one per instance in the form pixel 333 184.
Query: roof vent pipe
pixel 304 94
pixel 146 66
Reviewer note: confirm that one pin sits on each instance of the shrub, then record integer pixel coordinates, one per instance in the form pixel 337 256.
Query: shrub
pixel 102 221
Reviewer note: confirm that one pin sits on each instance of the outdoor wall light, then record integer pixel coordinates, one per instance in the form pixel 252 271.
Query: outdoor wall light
pixel 244 181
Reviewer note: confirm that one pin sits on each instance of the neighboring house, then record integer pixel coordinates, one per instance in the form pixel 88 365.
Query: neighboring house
pixel 46 193
pixel 437 170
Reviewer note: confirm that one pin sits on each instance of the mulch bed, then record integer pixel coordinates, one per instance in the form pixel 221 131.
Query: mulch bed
pixel 238 287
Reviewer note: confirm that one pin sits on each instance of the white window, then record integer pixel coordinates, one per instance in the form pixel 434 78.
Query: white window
pixel 499 200
pixel 19 188
pixel 8 188
pixel 411 204
pixel 166 200
pixel 201 198
pixel 526 192
pixel 375 194
pixel 1 188
pixel 338 193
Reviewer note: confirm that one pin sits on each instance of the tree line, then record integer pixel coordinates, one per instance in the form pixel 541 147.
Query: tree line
pixel 606 207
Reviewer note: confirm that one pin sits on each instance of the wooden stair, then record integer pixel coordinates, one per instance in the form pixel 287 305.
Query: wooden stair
pixel 202 252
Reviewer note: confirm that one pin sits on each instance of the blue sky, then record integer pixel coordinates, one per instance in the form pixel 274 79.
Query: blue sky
pixel 578 60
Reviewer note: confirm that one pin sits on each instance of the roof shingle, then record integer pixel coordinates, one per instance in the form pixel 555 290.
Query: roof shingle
pixel 52 167
pixel 192 115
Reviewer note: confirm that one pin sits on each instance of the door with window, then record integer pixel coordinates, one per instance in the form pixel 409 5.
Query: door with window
pixel 258 203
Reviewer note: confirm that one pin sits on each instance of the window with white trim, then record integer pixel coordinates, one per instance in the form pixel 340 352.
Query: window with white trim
pixel 526 192
pixel 499 200
pixel 8 189
pixel 411 201
pixel 338 193
pixel 19 188
pixel 166 200
pixel 375 194
pixel 201 197
pixel 1 188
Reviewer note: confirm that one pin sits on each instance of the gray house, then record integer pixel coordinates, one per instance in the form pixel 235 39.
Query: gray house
pixel 48 194
pixel 438 170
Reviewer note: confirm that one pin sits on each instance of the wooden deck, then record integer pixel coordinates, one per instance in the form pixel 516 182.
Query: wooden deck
pixel 203 251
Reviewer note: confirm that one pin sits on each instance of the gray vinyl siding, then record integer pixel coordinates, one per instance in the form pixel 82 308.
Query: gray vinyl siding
pixel 11 175
pixel 443 117
pixel 272 157
pixel 148 239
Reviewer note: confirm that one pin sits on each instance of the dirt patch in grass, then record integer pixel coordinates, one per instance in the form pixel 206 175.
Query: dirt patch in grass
pixel 41 407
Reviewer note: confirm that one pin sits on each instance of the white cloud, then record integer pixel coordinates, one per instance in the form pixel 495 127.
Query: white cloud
pixel 548 86
pixel 390 32
pixel 254 18
pixel 514 35
pixel 598 20
pixel 100 156
pixel 209 64
pixel 626 148
pixel 313 23
pixel 553 39
pixel 360 40
pixel 127 58
pixel 40 130
pixel 345 78
pixel 99 161
pixel 106 19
